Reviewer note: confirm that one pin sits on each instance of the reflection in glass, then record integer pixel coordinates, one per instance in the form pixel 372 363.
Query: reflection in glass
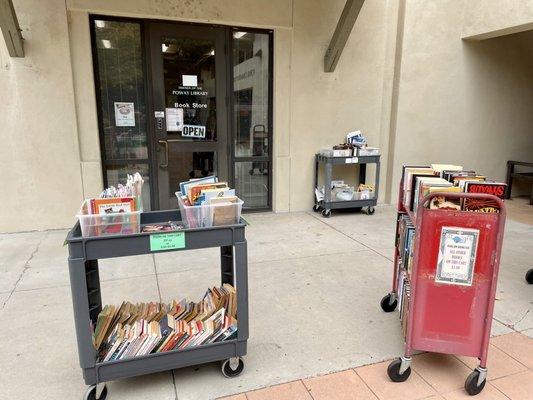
pixel 189 76
pixel 251 183
pixel 183 166
pixel 118 174
pixel 120 76
pixel 251 93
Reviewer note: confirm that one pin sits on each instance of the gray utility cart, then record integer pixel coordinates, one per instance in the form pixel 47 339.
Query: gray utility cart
pixel 327 204
pixel 84 253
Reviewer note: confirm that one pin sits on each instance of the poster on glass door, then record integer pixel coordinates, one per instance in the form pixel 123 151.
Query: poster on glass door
pixel 174 119
pixel 124 113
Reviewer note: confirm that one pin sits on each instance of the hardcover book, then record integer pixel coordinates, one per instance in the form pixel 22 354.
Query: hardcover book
pixel 484 205
pixel 443 202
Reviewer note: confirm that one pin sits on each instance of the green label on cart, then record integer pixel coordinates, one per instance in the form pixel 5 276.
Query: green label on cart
pixel 167 241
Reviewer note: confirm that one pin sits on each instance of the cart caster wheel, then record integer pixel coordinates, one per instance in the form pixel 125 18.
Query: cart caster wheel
pixel 90 394
pixel 394 371
pixel 316 208
pixel 387 305
pixel 370 210
pixel 251 172
pixel 326 213
pixel 471 383
pixel 229 371
pixel 529 276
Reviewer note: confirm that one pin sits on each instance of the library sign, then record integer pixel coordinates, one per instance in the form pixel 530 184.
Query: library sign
pixel 167 241
pixel 457 256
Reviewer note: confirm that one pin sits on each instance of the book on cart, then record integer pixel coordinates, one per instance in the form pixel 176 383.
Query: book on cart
pixel 419 181
pixel 495 188
pixel 132 330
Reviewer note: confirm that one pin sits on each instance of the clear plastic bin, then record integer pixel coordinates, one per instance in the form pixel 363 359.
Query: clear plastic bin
pixel 364 195
pixel 208 215
pixel 108 224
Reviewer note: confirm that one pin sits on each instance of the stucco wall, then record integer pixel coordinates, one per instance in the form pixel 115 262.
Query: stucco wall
pixel 460 101
pixel 41 181
pixel 325 106
pixel 491 18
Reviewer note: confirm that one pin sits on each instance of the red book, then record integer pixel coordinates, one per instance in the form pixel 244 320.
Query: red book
pixel 491 206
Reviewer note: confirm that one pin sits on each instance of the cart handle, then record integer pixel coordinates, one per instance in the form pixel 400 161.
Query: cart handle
pixel 479 196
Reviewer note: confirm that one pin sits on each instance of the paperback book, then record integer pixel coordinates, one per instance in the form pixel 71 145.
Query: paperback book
pixel 133 330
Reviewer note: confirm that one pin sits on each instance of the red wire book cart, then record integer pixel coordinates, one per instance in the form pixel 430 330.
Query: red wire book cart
pixel 454 270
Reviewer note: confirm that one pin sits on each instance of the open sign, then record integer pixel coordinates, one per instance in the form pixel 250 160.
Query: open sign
pixel 195 131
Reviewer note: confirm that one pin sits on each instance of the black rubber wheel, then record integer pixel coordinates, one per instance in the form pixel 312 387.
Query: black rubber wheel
pixel 316 208
pixel 229 372
pixel 370 210
pixel 529 276
pixel 394 371
pixel 90 394
pixel 326 213
pixel 471 386
pixel 386 304
pixel 251 172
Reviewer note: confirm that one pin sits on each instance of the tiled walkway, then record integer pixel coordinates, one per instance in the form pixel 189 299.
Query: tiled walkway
pixel 434 376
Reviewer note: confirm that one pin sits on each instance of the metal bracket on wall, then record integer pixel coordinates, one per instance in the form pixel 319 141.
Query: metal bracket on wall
pixel 342 32
pixel 11 29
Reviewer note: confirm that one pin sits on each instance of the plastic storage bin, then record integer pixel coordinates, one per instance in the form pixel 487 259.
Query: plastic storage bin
pixel 108 224
pixel 364 195
pixel 208 215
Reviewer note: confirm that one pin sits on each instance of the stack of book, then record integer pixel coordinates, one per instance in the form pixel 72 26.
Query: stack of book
pixel 419 181
pixel 145 328
pixel 208 190
pixel 116 211
pixel 207 202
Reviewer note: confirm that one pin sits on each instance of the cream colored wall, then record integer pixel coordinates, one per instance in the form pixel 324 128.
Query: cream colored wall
pixel 491 18
pixel 460 101
pixel 325 106
pixel 39 158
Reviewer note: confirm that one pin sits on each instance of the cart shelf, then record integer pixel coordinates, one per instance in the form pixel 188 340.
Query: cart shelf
pixel 449 317
pixel 84 253
pixel 326 205
pixel 157 362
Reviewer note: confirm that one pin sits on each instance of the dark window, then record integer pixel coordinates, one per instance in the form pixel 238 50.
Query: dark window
pixel 121 92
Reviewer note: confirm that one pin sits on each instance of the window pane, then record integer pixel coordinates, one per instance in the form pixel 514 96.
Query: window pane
pixel 118 174
pixel 251 93
pixel 189 74
pixel 121 89
pixel 251 183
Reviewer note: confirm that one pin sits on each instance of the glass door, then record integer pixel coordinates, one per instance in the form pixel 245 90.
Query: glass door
pixel 189 105
pixel 251 61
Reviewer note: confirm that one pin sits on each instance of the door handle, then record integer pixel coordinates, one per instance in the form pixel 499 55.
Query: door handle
pixel 164 143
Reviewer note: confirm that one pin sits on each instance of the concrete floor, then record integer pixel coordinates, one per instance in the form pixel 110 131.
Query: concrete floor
pixel 315 286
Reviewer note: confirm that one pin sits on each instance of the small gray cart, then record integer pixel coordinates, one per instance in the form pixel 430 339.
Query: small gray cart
pixel 327 204
pixel 84 253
